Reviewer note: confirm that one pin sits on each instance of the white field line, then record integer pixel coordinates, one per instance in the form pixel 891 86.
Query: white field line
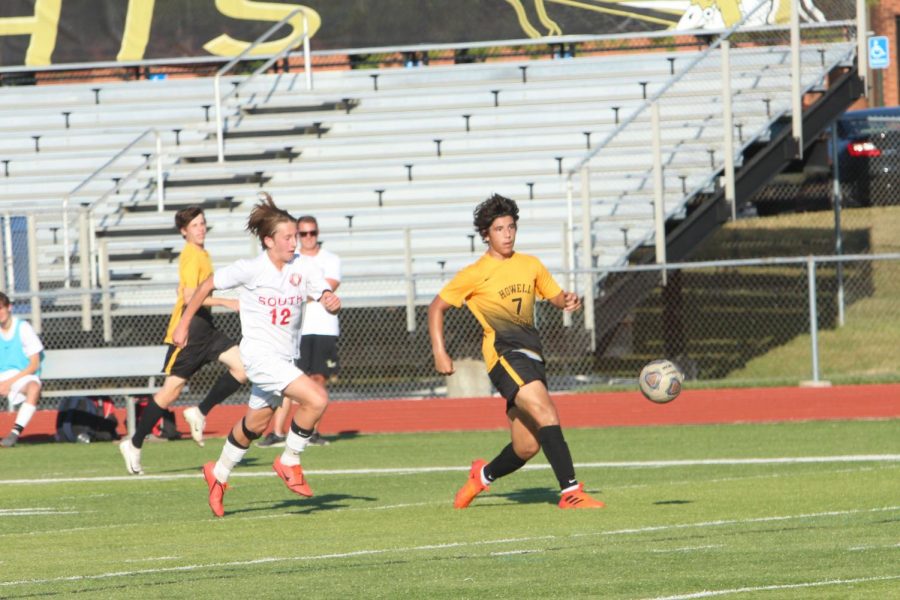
pixel 686 549
pixel 456 545
pixel 647 464
pixel 150 559
pixel 877 547
pixel 32 511
pixel 768 588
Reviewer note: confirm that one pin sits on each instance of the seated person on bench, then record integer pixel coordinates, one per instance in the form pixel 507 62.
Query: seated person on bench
pixel 20 364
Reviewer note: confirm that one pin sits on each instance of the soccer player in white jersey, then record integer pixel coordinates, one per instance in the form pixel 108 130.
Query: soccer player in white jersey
pixel 273 287
pixel 318 336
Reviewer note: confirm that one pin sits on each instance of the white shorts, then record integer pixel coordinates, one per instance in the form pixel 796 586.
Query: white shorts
pixel 269 377
pixel 16 395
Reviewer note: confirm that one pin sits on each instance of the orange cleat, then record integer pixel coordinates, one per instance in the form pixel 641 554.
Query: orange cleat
pixel 579 499
pixel 293 478
pixel 472 487
pixel 216 489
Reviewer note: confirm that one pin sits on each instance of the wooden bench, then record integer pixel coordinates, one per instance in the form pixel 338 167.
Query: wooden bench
pixel 110 366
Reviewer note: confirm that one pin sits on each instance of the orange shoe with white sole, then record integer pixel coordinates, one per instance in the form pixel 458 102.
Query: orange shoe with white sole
pixel 472 487
pixel 216 489
pixel 293 478
pixel 578 498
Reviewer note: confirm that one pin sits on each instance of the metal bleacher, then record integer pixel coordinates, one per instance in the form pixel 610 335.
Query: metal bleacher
pixel 372 153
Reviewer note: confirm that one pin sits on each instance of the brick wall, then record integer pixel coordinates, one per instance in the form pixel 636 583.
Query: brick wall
pixel 883 21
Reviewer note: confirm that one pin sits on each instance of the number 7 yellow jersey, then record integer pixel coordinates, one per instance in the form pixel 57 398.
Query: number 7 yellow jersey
pixel 501 294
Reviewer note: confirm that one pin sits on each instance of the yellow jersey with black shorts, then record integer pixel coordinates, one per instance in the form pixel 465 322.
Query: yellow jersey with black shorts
pixel 205 342
pixel 501 294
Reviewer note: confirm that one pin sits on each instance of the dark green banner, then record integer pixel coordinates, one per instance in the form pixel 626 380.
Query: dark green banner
pixel 43 32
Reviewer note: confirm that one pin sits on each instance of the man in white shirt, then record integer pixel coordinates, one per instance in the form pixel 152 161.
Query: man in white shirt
pixel 319 331
pixel 20 365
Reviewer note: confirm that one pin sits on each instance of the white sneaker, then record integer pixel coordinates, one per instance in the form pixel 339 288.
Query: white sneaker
pixel 197 423
pixel 132 457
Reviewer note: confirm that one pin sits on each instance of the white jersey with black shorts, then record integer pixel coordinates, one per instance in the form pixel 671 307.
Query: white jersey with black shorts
pixel 271 303
pixel 320 330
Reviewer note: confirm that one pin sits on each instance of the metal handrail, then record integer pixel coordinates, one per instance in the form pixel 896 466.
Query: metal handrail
pixel 307 69
pixel 586 242
pixel 659 93
pixel 160 193
pixel 710 180
pixel 666 87
pixel 111 160
pixel 650 100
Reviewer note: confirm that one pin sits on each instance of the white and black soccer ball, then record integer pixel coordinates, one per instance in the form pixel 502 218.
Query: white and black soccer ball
pixel 661 381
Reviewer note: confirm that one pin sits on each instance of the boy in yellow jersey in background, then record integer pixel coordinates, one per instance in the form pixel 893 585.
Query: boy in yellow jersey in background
pixel 207 345
pixel 499 289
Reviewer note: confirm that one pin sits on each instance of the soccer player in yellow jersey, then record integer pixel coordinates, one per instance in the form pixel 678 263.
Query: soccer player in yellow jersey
pixel 500 290
pixel 208 344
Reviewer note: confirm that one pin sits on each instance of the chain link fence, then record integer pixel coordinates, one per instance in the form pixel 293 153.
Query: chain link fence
pixel 16 276
pixel 733 322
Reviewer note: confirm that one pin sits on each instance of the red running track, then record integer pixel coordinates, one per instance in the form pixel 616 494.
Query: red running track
pixel 614 409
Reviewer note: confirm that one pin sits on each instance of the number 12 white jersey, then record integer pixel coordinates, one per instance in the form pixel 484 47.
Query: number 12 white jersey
pixel 270 303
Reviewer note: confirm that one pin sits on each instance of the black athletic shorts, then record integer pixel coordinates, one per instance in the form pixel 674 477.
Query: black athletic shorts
pixel 514 370
pixel 318 355
pixel 205 344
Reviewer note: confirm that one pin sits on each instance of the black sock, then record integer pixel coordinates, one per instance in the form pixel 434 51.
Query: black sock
pixel 224 386
pixel 17 429
pixel 234 442
pixel 304 433
pixel 149 417
pixel 503 464
pixel 557 452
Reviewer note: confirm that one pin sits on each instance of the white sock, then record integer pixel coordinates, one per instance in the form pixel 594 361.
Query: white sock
pixel 571 488
pixel 484 480
pixel 293 446
pixel 228 460
pixel 26 411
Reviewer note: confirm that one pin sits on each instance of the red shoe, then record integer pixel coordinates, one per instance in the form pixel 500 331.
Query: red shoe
pixel 216 489
pixel 293 478
pixel 472 487
pixel 578 498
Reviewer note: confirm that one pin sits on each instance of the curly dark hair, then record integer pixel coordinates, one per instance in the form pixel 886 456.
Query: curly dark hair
pixel 492 208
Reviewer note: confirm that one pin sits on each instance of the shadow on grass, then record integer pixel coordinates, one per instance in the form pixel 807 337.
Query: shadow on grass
pixel 539 495
pixel 304 506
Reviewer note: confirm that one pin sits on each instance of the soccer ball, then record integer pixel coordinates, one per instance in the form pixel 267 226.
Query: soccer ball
pixel 661 381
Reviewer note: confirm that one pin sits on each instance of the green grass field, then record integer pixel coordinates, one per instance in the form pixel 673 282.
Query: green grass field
pixel 688 516
pixel 872 323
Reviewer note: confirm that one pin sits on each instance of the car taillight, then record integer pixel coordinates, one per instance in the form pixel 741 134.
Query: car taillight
pixel 863 149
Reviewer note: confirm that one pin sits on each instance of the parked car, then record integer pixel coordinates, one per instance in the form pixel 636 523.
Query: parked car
pixel 868 143
pixel 869 156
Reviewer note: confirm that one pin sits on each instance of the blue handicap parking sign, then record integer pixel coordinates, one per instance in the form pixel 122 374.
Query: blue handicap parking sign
pixel 879 52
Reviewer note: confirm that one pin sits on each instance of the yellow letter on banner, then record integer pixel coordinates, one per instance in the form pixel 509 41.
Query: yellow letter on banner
pixel 137 30
pixel 248 10
pixel 41 27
